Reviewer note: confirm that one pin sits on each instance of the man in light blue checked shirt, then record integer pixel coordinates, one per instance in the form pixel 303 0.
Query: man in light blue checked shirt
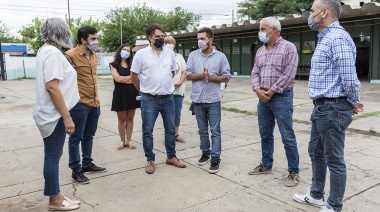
pixel 334 89
pixel 207 68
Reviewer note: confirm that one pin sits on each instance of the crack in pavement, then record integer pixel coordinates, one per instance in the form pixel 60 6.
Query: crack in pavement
pixel 74 195
pixel 361 192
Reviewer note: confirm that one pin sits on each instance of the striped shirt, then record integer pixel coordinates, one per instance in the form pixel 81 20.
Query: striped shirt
pixel 275 68
pixel 333 72
pixel 217 64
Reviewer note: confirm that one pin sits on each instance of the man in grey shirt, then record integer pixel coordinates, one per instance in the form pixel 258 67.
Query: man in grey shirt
pixel 207 68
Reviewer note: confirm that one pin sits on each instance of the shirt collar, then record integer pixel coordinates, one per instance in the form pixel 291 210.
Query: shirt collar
pixel 329 28
pixel 81 53
pixel 275 43
pixel 213 51
pixel 162 48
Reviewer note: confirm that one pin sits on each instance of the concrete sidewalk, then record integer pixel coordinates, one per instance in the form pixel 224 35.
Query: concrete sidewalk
pixel 126 186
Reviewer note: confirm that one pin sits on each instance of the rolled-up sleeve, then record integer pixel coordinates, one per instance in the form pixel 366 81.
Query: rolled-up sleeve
pixel 136 64
pixel 344 58
pixel 190 64
pixel 225 69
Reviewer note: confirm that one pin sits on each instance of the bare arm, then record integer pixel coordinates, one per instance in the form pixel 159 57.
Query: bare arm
pixel 52 87
pixel 135 80
pixel 120 79
pixel 195 77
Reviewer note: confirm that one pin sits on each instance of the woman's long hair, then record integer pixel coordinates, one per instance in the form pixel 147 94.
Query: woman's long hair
pixel 118 58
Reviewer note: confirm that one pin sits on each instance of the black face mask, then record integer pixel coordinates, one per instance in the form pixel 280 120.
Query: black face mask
pixel 158 43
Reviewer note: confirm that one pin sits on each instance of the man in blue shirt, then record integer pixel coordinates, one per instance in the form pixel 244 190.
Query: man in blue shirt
pixel 207 68
pixel 334 89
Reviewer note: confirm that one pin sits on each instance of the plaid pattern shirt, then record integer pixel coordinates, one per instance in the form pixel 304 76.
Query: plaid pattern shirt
pixel 275 68
pixel 333 72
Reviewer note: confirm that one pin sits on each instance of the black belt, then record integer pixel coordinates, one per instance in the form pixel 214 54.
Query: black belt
pixel 321 101
pixel 158 96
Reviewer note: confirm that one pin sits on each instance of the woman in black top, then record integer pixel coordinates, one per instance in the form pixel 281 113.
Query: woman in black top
pixel 124 96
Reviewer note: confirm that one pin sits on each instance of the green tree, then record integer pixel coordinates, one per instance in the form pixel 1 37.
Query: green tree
pixel 31 34
pixel 256 9
pixel 5 35
pixel 135 19
pixel 77 23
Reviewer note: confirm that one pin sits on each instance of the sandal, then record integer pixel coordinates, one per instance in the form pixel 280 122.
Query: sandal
pixel 72 200
pixel 120 146
pixel 130 145
pixel 65 206
pixel 179 139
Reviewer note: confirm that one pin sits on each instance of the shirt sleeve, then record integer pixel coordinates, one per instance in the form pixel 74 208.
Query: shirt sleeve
pixel 344 56
pixel 136 64
pixel 225 69
pixel 255 75
pixel 190 64
pixel 174 63
pixel 287 77
pixel 53 66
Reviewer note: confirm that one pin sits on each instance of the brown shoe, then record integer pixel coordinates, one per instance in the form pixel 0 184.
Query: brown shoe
pixel 260 169
pixel 175 162
pixel 292 180
pixel 150 167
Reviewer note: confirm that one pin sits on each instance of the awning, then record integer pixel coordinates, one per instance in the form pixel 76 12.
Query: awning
pixel 136 48
pixel 15 53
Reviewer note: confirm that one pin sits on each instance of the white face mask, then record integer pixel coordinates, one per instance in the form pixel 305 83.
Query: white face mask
pixel 170 46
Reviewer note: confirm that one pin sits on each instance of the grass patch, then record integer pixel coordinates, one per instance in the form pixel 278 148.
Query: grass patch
pixel 237 110
pixel 366 115
pixel 296 120
pixel 372 131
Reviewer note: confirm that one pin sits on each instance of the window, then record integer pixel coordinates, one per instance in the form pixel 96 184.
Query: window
pixel 246 50
pixel 235 50
pixel 187 52
pixel 226 50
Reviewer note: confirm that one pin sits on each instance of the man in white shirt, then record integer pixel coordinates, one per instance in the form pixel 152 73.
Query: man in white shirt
pixel 156 66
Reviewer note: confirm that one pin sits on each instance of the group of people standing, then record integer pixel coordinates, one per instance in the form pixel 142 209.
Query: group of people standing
pixel 153 79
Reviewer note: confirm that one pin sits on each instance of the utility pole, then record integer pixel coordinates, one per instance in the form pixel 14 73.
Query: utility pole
pixel 121 32
pixel 2 63
pixel 233 16
pixel 68 11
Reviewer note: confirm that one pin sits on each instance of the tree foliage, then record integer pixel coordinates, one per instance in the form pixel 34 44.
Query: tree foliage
pixel 135 19
pixel 76 23
pixel 5 35
pixel 31 34
pixel 256 9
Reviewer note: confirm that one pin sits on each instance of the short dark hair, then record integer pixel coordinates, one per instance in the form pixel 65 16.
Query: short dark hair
pixel 117 59
pixel 152 28
pixel 83 32
pixel 208 31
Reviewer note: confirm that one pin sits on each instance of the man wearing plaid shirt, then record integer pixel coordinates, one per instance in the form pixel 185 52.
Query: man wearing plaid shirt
pixel 273 80
pixel 334 89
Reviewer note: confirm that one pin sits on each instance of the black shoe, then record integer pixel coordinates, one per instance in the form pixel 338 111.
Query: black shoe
pixel 214 167
pixel 80 178
pixel 93 168
pixel 204 159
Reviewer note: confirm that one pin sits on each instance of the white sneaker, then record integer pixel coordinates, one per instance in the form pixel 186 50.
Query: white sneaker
pixel 307 199
pixel 327 208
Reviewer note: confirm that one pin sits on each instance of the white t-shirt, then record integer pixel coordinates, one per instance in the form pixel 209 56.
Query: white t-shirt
pixel 52 64
pixel 155 70
pixel 181 66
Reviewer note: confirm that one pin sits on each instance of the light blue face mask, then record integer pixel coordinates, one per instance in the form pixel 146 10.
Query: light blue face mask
pixel 124 54
pixel 263 36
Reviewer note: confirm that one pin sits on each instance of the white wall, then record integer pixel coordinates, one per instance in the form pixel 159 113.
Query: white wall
pixel 355 2
pixel 25 67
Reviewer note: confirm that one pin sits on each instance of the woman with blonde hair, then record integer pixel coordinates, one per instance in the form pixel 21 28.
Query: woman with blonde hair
pixel 179 85
pixel 57 93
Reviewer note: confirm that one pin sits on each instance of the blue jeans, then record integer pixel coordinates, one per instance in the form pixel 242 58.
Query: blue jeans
pixel 53 152
pixel 326 149
pixel 178 100
pixel 150 107
pixel 280 109
pixel 85 119
pixel 209 113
